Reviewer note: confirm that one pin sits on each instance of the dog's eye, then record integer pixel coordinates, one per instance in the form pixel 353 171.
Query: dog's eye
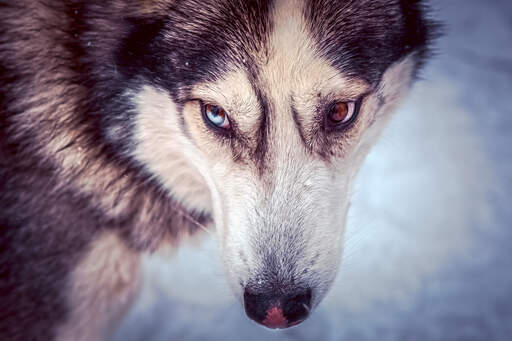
pixel 216 116
pixel 342 113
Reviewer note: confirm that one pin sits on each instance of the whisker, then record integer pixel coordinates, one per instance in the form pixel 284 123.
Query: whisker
pixel 193 221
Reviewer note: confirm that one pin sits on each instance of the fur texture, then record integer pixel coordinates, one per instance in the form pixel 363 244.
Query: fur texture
pixel 104 153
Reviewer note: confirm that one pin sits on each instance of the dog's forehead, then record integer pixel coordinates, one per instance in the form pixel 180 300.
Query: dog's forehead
pixel 286 67
pixel 358 38
pixel 294 67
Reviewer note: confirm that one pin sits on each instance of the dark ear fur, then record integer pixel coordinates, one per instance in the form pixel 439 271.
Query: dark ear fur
pixel 363 38
pixel 421 30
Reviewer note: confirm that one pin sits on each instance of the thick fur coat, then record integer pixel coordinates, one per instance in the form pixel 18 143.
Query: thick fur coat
pixel 86 181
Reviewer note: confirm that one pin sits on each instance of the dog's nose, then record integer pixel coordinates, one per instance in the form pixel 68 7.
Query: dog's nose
pixel 278 310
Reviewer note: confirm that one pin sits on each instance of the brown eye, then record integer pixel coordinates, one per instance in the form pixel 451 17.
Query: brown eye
pixel 341 113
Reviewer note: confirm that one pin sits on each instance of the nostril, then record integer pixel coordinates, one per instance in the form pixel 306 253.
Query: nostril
pixel 256 305
pixel 298 306
pixel 278 310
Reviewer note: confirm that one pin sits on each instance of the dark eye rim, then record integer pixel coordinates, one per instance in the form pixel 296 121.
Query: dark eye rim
pixel 227 132
pixel 342 126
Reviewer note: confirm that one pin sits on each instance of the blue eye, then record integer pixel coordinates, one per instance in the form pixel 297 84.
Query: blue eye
pixel 216 115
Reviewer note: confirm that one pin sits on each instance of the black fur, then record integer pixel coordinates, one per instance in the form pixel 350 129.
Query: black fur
pixel 362 38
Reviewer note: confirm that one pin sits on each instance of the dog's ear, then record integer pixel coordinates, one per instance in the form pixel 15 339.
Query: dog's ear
pixel 420 30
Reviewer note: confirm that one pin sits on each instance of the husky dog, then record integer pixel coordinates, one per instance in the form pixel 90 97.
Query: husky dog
pixel 128 124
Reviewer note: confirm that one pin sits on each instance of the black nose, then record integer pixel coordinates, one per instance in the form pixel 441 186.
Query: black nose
pixel 278 310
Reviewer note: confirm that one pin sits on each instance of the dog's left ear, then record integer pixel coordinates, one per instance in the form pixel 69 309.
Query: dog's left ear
pixel 420 30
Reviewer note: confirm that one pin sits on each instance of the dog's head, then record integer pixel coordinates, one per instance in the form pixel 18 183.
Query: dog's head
pixel 261 113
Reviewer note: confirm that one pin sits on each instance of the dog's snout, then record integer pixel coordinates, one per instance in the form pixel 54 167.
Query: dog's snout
pixel 277 310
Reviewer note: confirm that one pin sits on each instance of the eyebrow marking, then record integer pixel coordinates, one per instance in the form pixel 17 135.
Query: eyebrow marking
pixel 261 147
pixel 298 125
pixel 262 141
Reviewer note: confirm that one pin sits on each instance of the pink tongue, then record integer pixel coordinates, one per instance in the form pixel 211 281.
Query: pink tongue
pixel 275 318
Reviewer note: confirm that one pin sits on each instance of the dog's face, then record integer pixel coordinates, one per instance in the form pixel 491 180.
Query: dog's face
pixel 261 113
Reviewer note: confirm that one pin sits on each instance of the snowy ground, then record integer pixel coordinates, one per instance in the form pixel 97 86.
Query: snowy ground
pixel 429 241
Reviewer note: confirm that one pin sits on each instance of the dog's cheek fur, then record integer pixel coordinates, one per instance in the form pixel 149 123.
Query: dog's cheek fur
pixel 163 147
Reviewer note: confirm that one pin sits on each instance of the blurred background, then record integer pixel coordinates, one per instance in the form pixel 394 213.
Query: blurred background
pixel 429 236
